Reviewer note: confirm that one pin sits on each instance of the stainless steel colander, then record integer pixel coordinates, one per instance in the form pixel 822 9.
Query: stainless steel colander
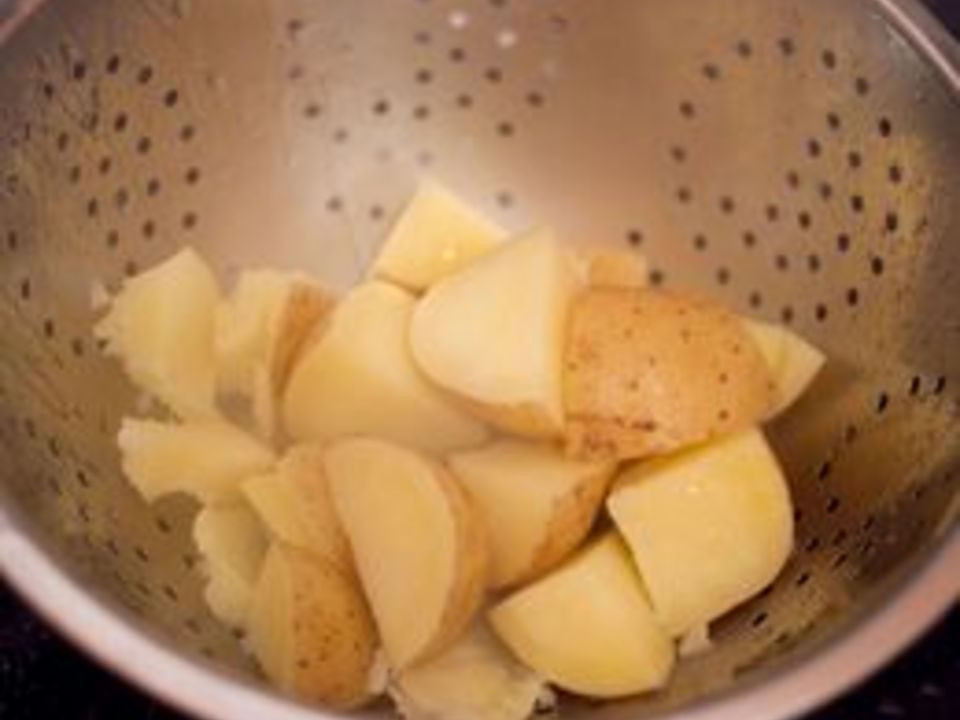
pixel 799 159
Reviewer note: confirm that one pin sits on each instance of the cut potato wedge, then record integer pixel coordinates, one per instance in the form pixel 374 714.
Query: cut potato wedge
pixel 260 330
pixel 359 379
pixel 616 268
pixel 793 362
pixel 648 372
pixel 205 459
pixel 537 505
pixel 708 527
pixel 493 334
pixel 311 630
pixel 161 326
pixel 294 504
pixel 232 544
pixel 419 547
pixel 475 679
pixel 588 626
pixel 436 235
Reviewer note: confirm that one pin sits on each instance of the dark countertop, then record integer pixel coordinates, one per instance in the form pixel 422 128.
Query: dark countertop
pixel 42 678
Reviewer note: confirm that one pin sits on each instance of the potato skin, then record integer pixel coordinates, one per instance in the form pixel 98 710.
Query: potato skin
pixel 311 629
pixel 647 372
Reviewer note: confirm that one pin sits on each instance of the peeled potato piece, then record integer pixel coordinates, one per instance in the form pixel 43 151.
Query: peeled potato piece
pixel 708 527
pixel 588 626
pixel 419 547
pixel 793 362
pixel 616 268
pixel 311 630
pixel 260 329
pixel 436 234
pixel 206 459
pixel 359 379
pixel 493 334
pixel 161 326
pixel 648 372
pixel 537 504
pixel 232 543
pixel 294 503
pixel 475 679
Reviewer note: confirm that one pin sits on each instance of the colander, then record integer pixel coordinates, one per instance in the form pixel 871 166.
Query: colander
pixel 797 159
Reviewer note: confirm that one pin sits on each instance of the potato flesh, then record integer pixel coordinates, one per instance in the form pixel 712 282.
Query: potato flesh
pixel 293 502
pixel 617 268
pixel 436 235
pixel 260 331
pixel 648 372
pixel 232 543
pixel 419 550
pixel 708 527
pixel 493 333
pixel 537 505
pixel 475 679
pixel 588 626
pixel 359 379
pixel 311 630
pixel 793 362
pixel 161 326
pixel 205 459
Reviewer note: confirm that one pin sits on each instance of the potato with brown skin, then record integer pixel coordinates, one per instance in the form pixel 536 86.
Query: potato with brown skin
pixel 311 630
pixel 647 372
pixel 537 504
pixel 293 502
pixel 420 547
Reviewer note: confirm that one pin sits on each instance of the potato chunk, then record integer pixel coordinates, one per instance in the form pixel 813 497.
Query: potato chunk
pixel 708 527
pixel 232 544
pixel 311 630
pixel 793 362
pixel 293 501
pixel 419 547
pixel 588 626
pixel 648 372
pixel 161 326
pixel 493 334
pixel 260 330
pixel 436 234
pixel 475 679
pixel 359 379
pixel 205 459
pixel 537 505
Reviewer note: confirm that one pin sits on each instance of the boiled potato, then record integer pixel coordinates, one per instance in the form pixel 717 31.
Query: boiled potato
pixel 606 267
pixel 493 333
pixel 311 630
pixel 419 547
pixel 260 329
pixel 648 372
pixel 207 459
pixel 435 235
pixel 359 379
pixel 475 679
pixel 232 544
pixel 161 326
pixel 793 362
pixel 537 505
pixel 708 527
pixel 588 626
pixel 294 504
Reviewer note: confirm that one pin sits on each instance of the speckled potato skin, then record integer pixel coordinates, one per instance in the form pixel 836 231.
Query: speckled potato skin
pixel 647 372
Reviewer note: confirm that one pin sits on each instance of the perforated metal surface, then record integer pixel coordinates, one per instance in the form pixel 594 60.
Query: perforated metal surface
pixel 797 160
